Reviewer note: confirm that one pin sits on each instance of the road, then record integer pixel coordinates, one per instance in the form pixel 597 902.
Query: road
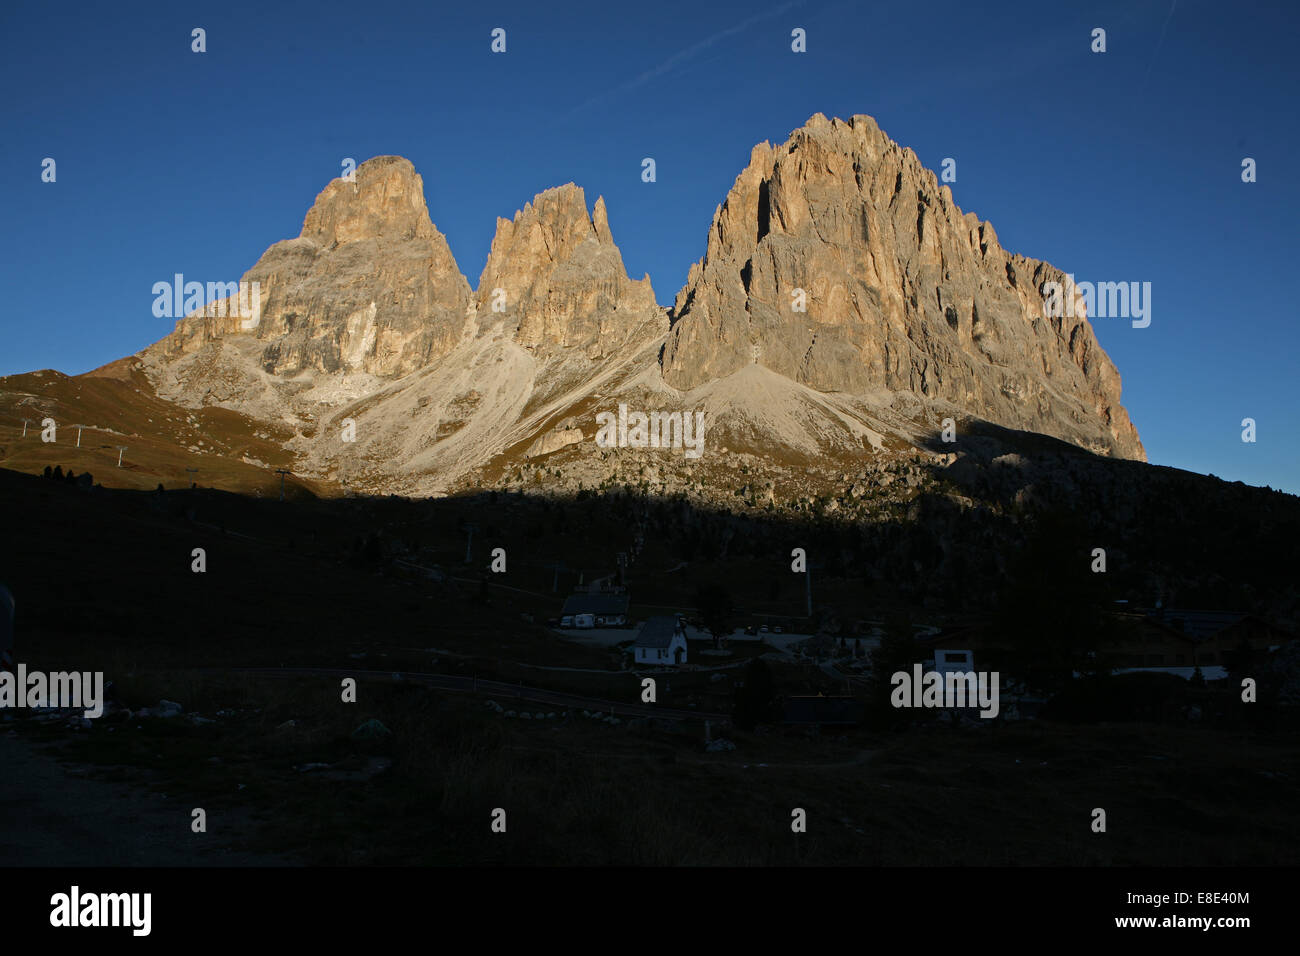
pixel 609 636
pixel 497 690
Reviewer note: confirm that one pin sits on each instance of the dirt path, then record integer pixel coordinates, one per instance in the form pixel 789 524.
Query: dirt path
pixel 52 814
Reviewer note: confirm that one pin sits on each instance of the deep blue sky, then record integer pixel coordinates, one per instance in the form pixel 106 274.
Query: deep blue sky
pixel 1119 166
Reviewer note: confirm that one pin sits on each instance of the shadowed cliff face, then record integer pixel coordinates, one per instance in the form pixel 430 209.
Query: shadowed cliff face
pixel 901 291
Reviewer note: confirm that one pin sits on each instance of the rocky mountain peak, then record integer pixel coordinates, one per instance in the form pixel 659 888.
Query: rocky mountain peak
pixel 555 276
pixel 370 286
pixel 840 262
pixel 386 201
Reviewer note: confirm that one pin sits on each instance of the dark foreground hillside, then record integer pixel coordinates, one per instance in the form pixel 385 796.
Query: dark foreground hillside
pixel 308 589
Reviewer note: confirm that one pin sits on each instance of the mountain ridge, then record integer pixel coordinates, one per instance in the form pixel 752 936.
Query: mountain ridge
pixel 392 373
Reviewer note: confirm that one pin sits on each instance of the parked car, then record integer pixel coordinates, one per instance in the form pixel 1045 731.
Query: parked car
pixel 566 621
pixel 763 629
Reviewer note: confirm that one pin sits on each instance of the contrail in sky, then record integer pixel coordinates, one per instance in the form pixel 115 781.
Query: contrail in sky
pixel 681 56
pixel 1161 42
